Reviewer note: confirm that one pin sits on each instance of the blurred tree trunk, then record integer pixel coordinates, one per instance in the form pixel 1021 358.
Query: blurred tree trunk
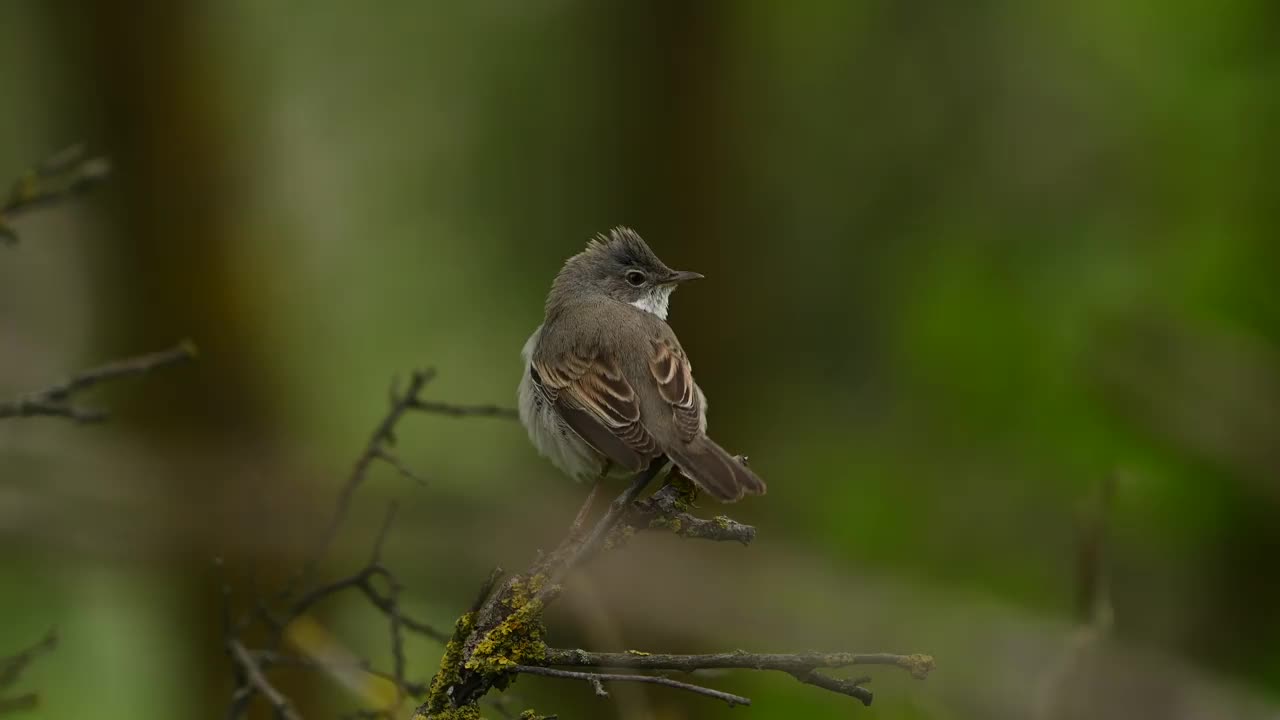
pixel 149 76
pixel 674 133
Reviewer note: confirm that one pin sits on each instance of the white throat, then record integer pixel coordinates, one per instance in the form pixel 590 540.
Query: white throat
pixel 656 301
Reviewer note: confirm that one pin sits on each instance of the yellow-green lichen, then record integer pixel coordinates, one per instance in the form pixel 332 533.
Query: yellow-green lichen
pixel 468 712
pixel 918 665
pixel 448 674
pixel 686 491
pixel 522 590
pixel 619 537
pixel 517 640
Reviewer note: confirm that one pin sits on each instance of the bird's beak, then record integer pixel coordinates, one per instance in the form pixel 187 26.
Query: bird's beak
pixel 679 276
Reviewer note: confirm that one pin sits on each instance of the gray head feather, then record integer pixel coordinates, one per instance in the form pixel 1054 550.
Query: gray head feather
pixel 619 266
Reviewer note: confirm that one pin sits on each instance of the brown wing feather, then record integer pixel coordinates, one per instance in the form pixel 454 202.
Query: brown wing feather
pixel 674 376
pixel 705 462
pixel 597 402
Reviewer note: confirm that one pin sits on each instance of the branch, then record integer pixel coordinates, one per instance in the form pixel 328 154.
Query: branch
pixel 59 400
pixel 267 659
pixel 299 596
pixel 12 667
pixel 802 666
pixel 597 681
pixel 383 436
pixel 918 665
pixel 62 176
pixel 258 681
pixel 460 411
pixel 504 636
pixel 578 553
pixel 668 508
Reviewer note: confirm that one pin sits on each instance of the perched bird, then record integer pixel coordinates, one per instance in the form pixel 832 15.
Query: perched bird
pixel 607 388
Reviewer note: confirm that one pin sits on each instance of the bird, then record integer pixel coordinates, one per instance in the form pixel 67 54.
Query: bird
pixel 607 389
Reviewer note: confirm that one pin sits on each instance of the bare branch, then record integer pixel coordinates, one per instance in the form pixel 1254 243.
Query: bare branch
pixel 375 449
pixel 500 636
pixel 852 688
pixel 394 461
pixel 802 666
pixel 267 659
pixel 581 551
pixel 13 666
pixel 460 411
pixel 61 176
pixel 259 682
pixel 918 665
pixel 597 679
pixel 379 586
pixel 58 400
pixel 667 510
pixel 391 608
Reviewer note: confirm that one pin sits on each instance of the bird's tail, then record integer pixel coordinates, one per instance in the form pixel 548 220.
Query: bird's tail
pixel 722 476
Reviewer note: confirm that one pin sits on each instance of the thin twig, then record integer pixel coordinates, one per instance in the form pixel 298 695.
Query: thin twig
pixel 383 435
pixel 596 681
pixel 267 659
pixel 392 607
pixel 461 411
pixel 376 558
pixel 12 667
pixel 394 461
pixel 801 666
pixel 918 665
pixel 300 596
pixel 375 449
pixel 852 688
pixel 617 509
pixel 58 400
pixel 387 605
pixel 258 681
pixel 61 176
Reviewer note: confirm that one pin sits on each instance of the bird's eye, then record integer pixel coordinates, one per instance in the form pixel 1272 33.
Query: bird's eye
pixel 635 278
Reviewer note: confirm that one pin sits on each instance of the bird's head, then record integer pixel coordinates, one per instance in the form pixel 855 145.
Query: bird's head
pixel 619 266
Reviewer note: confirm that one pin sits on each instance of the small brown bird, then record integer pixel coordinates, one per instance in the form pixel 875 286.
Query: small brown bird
pixel 606 387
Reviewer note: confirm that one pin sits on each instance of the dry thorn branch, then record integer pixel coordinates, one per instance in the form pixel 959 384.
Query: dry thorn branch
pixel 61 176
pixel 59 400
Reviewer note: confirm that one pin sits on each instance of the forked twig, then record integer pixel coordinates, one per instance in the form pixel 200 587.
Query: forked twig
pixel 58 400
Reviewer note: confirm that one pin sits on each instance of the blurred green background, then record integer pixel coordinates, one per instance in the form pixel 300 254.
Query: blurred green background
pixel 964 261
